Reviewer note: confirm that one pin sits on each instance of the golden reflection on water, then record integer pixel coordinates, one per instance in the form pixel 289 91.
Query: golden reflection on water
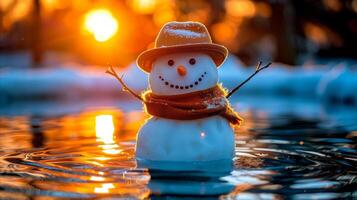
pixel 96 142
pixel 104 130
pixel 96 178
pixel 104 188
pixel 11 126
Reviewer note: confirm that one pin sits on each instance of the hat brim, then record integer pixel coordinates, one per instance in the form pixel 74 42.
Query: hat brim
pixel 217 52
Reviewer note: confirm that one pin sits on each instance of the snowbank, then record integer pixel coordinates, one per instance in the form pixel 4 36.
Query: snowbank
pixel 75 81
pixel 59 82
pixel 339 86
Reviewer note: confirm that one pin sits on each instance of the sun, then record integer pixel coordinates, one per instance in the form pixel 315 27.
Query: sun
pixel 101 24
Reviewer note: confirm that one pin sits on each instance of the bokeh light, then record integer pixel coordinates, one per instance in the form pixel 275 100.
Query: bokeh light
pixel 240 8
pixel 101 24
pixel 143 6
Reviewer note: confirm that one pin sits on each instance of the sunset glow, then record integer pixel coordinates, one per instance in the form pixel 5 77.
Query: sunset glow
pixel 101 24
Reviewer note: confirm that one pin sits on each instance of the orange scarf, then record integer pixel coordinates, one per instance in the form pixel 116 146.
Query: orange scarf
pixel 191 106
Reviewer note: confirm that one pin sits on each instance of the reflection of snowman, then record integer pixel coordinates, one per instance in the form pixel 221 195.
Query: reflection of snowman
pixel 191 115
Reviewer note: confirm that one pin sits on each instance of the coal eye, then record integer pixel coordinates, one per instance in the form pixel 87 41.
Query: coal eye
pixel 170 62
pixel 192 61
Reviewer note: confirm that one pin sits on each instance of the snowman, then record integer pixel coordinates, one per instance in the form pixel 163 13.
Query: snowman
pixel 192 119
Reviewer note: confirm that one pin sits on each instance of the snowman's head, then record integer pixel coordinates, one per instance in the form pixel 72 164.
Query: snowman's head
pixel 181 73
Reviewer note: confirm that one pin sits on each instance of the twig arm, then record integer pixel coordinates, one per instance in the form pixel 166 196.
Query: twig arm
pixel 112 72
pixel 257 70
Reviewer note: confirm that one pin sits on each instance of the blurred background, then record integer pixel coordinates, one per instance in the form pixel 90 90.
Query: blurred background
pixel 61 48
pixel 113 32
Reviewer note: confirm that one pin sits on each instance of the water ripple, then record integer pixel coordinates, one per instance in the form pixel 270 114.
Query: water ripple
pixel 68 157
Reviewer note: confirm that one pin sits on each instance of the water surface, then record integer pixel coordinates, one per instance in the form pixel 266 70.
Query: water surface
pixel 286 149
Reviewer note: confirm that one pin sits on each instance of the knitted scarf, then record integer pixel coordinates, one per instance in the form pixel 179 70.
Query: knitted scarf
pixel 191 106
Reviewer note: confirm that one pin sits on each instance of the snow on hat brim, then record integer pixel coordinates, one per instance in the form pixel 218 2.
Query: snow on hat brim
pixel 217 52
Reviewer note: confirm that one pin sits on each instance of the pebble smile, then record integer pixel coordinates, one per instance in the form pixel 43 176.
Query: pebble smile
pixel 183 86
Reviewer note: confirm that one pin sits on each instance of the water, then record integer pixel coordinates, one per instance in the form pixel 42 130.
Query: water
pixel 286 149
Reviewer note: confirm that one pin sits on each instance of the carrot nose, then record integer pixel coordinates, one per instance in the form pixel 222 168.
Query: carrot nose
pixel 181 70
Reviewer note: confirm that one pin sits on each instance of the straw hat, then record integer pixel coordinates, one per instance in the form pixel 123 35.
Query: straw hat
pixel 177 37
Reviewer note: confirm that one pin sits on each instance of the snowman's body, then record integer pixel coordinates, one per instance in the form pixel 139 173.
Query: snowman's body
pixel 205 139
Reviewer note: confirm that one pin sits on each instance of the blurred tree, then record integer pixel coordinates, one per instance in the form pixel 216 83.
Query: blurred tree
pixel 328 27
pixel 283 28
pixel 36 35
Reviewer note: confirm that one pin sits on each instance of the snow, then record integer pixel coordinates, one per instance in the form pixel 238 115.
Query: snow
pixel 162 139
pixel 334 83
pixel 276 80
pixel 171 29
pixel 60 82
pixel 135 78
pixel 339 86
pixel 67 81
pixel 184 33
pixel 215 104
